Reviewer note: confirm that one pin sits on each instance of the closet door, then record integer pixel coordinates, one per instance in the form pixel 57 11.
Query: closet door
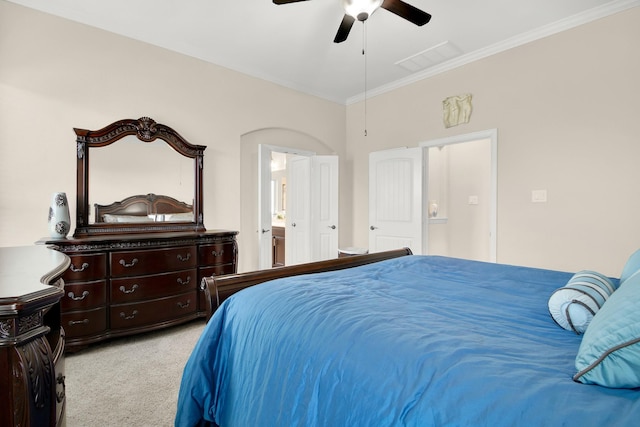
pixel 298 224
pixel 397 186
pixel 264 203
pixel 324 207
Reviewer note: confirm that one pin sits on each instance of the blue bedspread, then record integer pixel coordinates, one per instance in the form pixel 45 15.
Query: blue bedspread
pixel 412 341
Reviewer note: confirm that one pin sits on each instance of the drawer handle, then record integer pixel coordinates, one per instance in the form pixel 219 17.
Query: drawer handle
pixel 80 298
pixel 184 305
pixel 82 268
pixel 124 263
pixel 60 394
pixel 183 282
pixel 128 291
pixel 216 253
pixel 78 322
pixel 125 317
pixel 184 258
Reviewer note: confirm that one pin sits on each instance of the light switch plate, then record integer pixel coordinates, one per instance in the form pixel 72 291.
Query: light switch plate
pixel 539 196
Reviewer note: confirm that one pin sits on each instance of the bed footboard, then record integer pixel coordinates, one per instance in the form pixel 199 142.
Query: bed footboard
pixel 219 288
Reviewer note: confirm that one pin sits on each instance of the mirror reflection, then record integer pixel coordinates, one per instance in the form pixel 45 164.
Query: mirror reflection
pixel 133 167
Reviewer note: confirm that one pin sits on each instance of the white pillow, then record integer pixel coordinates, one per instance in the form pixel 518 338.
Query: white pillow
pixel 125 218
pixel 179 217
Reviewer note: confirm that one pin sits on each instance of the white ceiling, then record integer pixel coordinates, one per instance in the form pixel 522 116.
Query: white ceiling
pixel 292 44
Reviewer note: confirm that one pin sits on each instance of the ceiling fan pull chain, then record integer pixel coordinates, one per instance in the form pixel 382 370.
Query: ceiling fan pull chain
pixel 364 47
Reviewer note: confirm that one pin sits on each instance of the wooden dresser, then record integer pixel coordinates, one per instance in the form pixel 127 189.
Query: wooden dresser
pixel 126 284
pixel 138 260
pixel 32 381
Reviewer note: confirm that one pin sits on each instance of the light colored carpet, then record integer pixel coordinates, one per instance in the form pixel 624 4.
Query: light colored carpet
pixel 131 381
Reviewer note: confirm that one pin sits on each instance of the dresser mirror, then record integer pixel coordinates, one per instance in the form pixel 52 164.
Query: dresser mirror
pixel 137 176
pixel 133 167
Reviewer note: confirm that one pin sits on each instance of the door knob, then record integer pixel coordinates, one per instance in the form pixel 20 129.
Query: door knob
pixel 333 227
pixel 293 224
pixel 373 228
pixel 265 231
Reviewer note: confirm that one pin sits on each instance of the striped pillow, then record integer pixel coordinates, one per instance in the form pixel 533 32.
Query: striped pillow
pixel 573 306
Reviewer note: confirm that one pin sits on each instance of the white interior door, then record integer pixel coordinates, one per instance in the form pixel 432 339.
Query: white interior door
pixel 265 241
pixel 397 182
pixel 311 226
pixel 298 223
pixel 324 207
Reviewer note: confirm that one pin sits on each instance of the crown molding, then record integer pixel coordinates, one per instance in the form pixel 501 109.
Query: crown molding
pixel 519 40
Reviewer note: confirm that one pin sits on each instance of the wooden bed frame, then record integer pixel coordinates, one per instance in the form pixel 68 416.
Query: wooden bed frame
pixel 219 288
pixel 143 205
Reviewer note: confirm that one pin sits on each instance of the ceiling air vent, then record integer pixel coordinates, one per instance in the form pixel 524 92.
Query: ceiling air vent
pixel 429 57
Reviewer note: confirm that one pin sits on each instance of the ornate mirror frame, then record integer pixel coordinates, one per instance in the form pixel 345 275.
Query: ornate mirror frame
pixel 146 130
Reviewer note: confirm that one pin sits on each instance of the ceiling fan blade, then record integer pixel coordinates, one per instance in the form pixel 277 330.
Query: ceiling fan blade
pixel 286 1
pixel 406 11
pixel 345 27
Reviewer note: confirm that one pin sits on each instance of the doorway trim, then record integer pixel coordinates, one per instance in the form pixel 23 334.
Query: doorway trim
pixel 264 203
pixel 492 135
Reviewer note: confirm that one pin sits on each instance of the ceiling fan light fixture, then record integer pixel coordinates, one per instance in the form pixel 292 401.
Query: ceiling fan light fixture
pixel 361 9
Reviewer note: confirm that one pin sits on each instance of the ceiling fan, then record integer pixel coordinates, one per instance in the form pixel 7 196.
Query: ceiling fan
pixel 362 9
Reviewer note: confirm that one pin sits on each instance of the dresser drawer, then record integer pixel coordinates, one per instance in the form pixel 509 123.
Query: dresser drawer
pixel 217 270
pixel 134 263
pixel 82 323
pixel 82 296
pixel 152 286
pixel 217 253
pixel 86 267
pixel 126 316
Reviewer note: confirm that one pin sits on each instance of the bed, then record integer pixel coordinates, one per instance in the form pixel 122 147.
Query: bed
pixel 144 208
pixel 411 341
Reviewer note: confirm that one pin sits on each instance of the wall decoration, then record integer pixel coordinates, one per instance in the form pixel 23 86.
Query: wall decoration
pixel 456 110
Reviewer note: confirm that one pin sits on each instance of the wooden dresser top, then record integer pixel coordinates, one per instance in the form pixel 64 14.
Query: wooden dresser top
pixel 25 274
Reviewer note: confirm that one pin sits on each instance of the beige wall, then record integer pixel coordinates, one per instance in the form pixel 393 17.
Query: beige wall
pixel 56 75
pixel 567 113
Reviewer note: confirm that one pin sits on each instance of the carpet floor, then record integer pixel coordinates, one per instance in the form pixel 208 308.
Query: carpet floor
pixel 131 381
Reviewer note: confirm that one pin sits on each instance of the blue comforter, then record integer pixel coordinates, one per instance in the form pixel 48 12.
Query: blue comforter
pixel 412 341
